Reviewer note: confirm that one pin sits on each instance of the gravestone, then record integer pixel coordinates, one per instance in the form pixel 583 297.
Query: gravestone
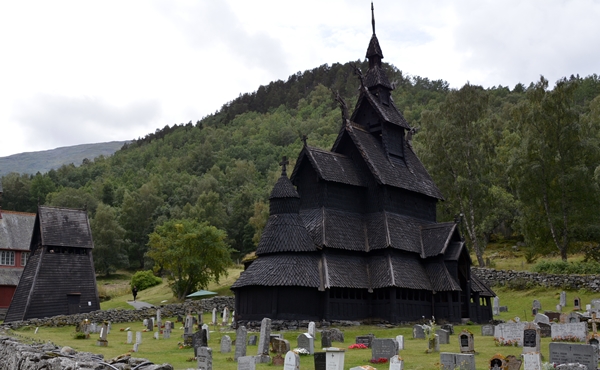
pixel 496 306
pixel 312 330
pixel 534 311
pixel 307 342
pixel 383 348
pixel 199 339
pixel 497 362
pixel 418 332
pixel 563 298
pixel 545 330
pixel 540 317
pixel 335 334
pixel 280 346
pixel 364 339
pixel 156 334
pixel 188 329
pixel 292 361
pixel 214 316
pixel 433 344
pixel 263 342
pixel 553 316
pixel 449 328
pixel 246 363
pixel 559 308
pixel 225 344
pixel 565 353
pixel 320 360
pixel 136 347
pixel 577 303
pixel 400 341
pixel 200 318
pixel 325 339
pixel 487 330
pixel 513 363
pixel 466 342
pixel 145 323
pixel 334 358
pixel 150 325
pixel 509 333
pixel 225 316
pixel 252 340
pixel 167 332
pixel 595 304
pixel 207 329
pixel 532 361
pixel 204 357
pixel 103 341
pixel 277 360
pixel 93 327
pixel 240 343
pixel 503 308
pixel 531 338
pixel 457 361
pixel 138 337
pixel 536 304
pixel 569 331
pixel 444 336
pixel 129 337
pixel 573 317
pixel 396 363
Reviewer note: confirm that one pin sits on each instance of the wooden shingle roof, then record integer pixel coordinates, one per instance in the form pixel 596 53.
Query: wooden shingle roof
pixel 440 277
pixel 15 230
pixel 436 238
pixel 331 166
pixel 407 173
pixel 387 113
pixel 284 189
pixel 65 227
pixel 10 276
pixel 286 269
pixel 285 233
pixel 480 287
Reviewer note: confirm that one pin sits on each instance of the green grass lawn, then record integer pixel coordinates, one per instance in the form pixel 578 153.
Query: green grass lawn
pixel 414 355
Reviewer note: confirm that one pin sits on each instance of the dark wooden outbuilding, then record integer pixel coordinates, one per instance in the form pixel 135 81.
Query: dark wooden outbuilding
pixel 59 277
pixel 353 234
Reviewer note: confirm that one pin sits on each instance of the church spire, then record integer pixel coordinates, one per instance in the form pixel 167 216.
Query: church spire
pixel 372 18
pixel 375 75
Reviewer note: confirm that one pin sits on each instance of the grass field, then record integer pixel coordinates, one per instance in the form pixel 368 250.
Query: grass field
pixel 414 354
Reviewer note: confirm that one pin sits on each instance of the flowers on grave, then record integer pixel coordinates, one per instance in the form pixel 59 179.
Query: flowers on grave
pixel 429 331
pixel 566 338
pixel 548 366
pixel 506 342
pixel 301 351
pixel 357 346
pixel 380 360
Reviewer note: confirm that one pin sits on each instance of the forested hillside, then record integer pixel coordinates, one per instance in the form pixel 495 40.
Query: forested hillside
pixel 521 160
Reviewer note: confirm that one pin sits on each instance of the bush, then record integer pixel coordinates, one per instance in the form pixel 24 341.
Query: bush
pixel 144 280
pixel 561 267
pixel 520 284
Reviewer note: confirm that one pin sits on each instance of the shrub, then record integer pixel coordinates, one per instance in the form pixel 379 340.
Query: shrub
pixel 561 267
pixel 144 280
pixel 520 284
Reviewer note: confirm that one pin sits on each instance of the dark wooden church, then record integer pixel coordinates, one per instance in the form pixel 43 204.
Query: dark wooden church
pixel 59 278
pixel 353 234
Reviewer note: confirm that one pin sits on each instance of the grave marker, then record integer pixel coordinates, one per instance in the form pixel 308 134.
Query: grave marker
pixel 577 303
pixel 466 342
pixel 497 362
pixel 214 316
pixel 567 332
pixel 400 341
pixel 207 328
pixel 383 348
pixel 513 363
pixel 320 360
pixel 246 363
pixel 532 361
pixel 496 306
pixel 396 363
pixel 444 336
pixel 225 344
pixel 536 304
pixel 565 353
pixel 292 361
pixel 204 357
pixel 225 316
pixel 252 340
pixel 240 343
pixel 563 298
pixel 418 332
pixel 487 330
pixel 129 337
pixel 531 338
pixel 449 328
pixel 263 342
pixel 454 361
pixel 334 358
pixel 364 339
pixel 307 342
pixel 325 339
pixel 102 341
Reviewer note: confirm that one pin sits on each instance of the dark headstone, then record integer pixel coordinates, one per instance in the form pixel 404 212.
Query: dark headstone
pixel 325 339
pixel 365 339
pixel 553 316
pixel 448 327
pixel 564 353
pixel 383 348
pixel 545 330
pixel 252 340
pixel 320 361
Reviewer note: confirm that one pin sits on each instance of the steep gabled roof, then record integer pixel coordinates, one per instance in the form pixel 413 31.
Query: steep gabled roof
pixel 285 233
pixel 15 230
pixel 284 189
pixel 346 271
pixel 387 113
pixel 436 238
pixel 335 229
pixel 480 287
pixel 287 269
pixel 407 173
pixel 330 166
pixel 64 227
pixel 440 277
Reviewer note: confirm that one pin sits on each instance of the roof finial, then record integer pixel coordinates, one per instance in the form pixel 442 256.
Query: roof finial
pixel 373 17
pixel 304 139
pixel 284 162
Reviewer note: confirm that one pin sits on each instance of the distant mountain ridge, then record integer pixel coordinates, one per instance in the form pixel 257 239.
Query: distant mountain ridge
pixel 46 160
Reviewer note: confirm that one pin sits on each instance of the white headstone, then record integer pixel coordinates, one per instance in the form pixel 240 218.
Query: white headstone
pixel 246 363
pixel 225 315
pixel 567 331
pixel 334 358
pixel 136 347
pixel 206 327
pixel 204 357
pixel 312 329
pixel 292 361
pixel 400 341
pixel 138 337
pixel 396 363
pixel 496 306
pixel 129 337
pixel 563 298
pixel 156 335
pixel 214 316
pixel 307 342
pixel 532 361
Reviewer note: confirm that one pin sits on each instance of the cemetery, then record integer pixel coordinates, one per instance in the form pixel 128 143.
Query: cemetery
pixel 215 345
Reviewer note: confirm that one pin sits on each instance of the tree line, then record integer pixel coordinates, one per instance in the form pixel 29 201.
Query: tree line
pixel 520 162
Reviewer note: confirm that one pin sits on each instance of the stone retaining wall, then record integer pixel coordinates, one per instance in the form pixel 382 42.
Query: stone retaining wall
pixel 19 356
pixel 119 315
pixel 569 282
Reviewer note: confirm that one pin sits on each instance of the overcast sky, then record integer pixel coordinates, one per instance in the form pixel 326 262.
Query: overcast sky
pixel 75 72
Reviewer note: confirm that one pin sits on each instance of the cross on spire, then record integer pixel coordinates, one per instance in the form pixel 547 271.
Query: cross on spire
pixel 284 162
pixel 373 17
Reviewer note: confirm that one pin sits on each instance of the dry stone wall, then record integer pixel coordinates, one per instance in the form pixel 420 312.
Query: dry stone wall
pixel 118 315
pixel 505 277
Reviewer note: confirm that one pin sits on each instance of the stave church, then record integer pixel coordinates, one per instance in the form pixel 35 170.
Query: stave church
pixel 352 233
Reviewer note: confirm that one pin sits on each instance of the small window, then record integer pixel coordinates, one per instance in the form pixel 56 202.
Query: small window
pixel 24 256
pixel 7 258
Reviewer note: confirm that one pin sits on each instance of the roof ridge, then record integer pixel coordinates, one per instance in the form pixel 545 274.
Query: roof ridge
pixel 17 213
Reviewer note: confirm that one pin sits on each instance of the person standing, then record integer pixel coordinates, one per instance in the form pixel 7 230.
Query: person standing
pixel 134 291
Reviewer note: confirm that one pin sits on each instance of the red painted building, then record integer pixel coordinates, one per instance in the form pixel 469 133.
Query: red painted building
pixel 15 235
